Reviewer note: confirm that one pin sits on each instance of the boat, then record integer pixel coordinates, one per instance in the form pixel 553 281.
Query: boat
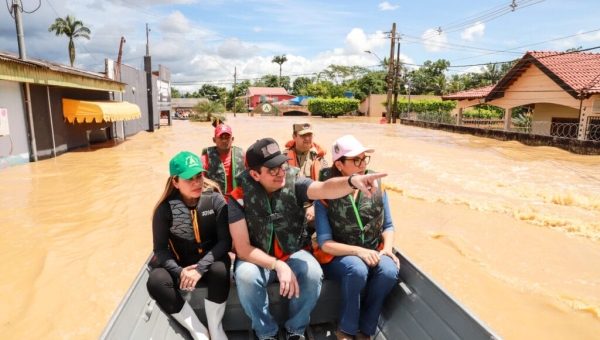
pixel 416 308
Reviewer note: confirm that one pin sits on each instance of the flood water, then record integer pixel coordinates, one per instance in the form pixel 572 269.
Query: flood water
pixel 511 231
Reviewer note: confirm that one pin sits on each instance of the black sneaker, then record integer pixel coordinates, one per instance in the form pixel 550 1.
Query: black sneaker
pixel 290 336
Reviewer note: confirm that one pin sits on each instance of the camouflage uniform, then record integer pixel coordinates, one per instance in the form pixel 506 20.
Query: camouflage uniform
pixel 342 214
pixel 216 171
pixel 280 216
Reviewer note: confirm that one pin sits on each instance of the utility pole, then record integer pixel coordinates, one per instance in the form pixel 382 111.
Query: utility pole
pixel 390 77
pixel 147 41
pixel 22 55
pixel 118 67
pixel 148 69
pixel 398 65
pixel 19 24
pixel 234 89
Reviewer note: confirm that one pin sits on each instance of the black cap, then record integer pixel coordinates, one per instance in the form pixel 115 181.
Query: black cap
pixel 265 152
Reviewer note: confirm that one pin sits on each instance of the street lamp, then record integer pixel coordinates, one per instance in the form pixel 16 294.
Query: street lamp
pixel 373 53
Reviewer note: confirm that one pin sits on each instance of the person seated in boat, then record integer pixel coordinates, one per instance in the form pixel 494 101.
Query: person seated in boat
pixel 267 223
pixel 309 157
pixel 355 236
pixel 223 161
pixel 191 244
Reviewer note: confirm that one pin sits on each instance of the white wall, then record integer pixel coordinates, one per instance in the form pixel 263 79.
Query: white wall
pixel 14 149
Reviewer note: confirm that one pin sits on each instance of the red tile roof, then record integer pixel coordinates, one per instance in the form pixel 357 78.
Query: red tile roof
pixel 579 71
pixel 480 92
pixel 266 91
pixel 574 72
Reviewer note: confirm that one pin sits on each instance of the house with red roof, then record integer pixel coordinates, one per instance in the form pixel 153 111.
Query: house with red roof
pixel 562 88
pixel 256 95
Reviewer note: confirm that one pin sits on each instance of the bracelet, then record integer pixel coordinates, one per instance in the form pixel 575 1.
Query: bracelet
pixel 350 181
pixel 274 263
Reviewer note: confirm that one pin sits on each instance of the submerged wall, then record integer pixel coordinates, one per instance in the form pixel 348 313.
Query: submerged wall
pixel 572 145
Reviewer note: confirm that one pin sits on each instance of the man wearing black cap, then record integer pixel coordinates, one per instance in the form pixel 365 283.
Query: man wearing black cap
pixel 268 227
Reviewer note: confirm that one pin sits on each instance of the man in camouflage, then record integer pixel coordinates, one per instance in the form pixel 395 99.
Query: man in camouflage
pixel 268 227
pixel 309 157
pixel 223 161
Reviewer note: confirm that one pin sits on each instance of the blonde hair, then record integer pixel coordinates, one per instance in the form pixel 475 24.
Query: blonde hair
pixel 169 187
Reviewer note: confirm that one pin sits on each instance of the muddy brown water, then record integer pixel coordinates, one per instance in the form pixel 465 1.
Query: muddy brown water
pixel 511 231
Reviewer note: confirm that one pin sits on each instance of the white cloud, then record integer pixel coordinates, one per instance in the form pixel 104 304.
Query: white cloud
pixel 386 6
pixel 356 42
pixel 433 40
pixel 234 49
pixel 257 29
pixel 475 30
pixel 176 22
pixel 589 37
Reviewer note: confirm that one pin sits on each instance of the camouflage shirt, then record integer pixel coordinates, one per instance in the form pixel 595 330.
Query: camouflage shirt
pixel 357 222
pixel 280 216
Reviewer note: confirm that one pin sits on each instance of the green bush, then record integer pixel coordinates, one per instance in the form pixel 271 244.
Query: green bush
pixel 332 107
pixel 482 113
pixel 425 105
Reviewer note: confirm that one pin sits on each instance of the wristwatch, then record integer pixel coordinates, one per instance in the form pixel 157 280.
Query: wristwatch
pixel 350 181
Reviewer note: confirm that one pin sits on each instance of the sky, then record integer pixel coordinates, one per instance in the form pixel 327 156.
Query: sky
pixel 206 41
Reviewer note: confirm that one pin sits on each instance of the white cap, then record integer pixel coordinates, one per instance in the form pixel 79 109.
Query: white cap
pixel 347 146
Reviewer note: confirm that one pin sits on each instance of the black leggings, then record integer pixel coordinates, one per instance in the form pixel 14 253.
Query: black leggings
pixel 165 289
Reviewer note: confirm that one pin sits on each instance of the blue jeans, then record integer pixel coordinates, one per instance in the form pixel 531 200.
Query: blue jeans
pixel 252 281
pixel 355 278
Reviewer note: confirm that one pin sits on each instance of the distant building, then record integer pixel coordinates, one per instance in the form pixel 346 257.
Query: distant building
pixel 256 95
pixel 47 109
pixel 561 89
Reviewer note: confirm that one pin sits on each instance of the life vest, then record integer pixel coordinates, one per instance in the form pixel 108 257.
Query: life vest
pixel 216 170
pixel 280 216
pixel 359 222
pixel 189 242
pixel 315 156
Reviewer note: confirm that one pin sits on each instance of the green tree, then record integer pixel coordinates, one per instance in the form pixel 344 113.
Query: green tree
pixel 175 93
pixel 317 90
pixel 492 73
pixel 211 92
pixel 279 59
pixel 207 111
pixel 300 84
pixel 72 28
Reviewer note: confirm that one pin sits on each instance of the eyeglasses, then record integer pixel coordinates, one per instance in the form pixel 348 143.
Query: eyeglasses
pixel 275 171
pixel 359 161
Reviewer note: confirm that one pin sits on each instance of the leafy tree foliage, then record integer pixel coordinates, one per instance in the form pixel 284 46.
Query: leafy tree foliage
pixel 175 93
pixel 72 28
pixel 300 84
pixel 279 59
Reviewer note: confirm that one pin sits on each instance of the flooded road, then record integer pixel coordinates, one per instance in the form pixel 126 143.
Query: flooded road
pixel 511 231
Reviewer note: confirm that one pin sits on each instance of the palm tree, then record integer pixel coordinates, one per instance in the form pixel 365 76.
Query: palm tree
pixel 72 28
pixel 279 60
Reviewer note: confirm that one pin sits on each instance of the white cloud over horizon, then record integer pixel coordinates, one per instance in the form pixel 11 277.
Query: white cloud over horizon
pixel 475 30
pixel 386 6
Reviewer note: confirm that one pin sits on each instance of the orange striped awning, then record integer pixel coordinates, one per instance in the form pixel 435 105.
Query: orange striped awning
pixel 83 111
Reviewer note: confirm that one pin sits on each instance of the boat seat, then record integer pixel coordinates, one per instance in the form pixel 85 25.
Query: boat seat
pixel 235 319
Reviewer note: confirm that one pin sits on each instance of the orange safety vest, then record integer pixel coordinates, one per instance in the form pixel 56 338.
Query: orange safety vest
pixel 316 165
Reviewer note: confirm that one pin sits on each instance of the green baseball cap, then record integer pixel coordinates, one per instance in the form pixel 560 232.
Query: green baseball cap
pixel 186 165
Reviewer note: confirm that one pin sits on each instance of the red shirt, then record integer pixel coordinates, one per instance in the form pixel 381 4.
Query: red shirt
pixel 226 159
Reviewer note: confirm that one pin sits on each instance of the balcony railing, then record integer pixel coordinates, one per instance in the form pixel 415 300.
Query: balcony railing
pixel 554 129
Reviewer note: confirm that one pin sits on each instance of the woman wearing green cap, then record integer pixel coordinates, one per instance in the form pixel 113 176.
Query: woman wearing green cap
pixel 191 244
